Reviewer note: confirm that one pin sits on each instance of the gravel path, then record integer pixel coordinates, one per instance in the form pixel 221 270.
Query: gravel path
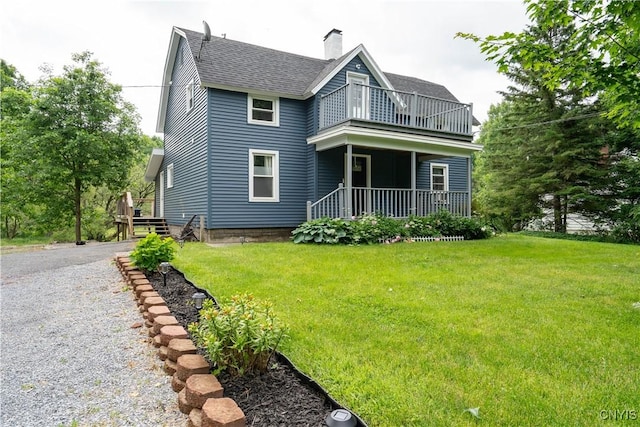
pixel 69 356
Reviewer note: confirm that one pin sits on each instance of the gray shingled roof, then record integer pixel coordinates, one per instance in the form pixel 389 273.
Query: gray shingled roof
pixel 412 84
pixel 233 64
pixel 236 64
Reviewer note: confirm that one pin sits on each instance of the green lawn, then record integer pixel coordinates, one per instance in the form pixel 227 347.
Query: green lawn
pixel 532 331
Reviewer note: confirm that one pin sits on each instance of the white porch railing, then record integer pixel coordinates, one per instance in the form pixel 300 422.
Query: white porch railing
pixel 374 104
pixel 392 202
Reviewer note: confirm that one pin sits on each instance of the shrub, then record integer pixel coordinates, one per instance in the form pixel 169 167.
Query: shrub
pixel 152 250
pixel 323 230
pixel 377 228
pixel 240 336
pixel 373 228
pixel 626 232
pixel 95 224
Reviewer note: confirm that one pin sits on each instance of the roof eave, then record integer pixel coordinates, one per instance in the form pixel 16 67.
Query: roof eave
pixel 153 165
pixel 174 42
pixel 254 91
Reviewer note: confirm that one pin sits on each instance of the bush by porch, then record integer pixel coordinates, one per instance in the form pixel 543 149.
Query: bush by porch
pixel 378 228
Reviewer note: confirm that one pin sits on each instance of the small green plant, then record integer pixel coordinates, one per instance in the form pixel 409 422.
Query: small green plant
pixel 239 336
pixel 152 250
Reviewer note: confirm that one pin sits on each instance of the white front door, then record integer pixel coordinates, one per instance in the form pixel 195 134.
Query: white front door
pixel 359 95
pixel 161 194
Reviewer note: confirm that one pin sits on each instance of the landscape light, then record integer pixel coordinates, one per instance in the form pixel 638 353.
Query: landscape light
pixel 340 418
pixel 198 299
pixel 164 269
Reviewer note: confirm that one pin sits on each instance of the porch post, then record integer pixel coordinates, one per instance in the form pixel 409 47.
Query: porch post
pixel 414 169
pixel 348 179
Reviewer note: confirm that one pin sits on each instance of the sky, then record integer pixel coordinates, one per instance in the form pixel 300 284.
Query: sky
pixel 131 38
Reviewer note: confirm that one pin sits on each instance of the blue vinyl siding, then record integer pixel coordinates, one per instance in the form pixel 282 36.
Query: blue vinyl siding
pixel 389 169
pixel 330 164
pixel 185 141
pixel 231 138
pixel 458 173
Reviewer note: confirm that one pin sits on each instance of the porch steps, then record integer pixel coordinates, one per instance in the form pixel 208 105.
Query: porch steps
pixel 142 226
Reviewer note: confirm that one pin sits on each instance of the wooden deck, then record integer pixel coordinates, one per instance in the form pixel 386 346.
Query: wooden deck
pixel 131 225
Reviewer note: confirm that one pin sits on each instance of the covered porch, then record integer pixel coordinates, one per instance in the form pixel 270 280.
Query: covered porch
pixel 368 170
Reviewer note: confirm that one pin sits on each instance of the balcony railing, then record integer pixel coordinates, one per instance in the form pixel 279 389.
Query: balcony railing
pixel 392 202
pixel 373 104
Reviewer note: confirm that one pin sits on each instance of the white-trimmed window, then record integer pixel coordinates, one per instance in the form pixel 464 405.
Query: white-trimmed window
pixel 263 110
pixel 189 95
pixel 170 176
pixel 440 180
pixel 264 176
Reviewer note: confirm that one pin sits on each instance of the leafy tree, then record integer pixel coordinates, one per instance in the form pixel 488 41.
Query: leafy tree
pixel 555 136
pixel 542 147
pixel 99 204
pixel 605 56
pixel 141 189
pixel 15 101
pixel 81 133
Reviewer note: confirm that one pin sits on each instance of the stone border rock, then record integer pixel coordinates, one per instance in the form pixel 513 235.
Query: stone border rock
pixel 200 394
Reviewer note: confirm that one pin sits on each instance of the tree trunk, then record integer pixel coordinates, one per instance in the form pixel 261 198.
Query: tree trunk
pixel 557 214
pixel 77 195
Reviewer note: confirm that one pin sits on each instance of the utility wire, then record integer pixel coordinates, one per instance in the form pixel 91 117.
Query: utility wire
pixel 566 119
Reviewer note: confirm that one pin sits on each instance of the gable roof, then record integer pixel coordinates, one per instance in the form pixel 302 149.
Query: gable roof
pixel 232 65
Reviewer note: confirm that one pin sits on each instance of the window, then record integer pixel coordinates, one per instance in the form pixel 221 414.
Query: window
pixel 263 110
pixel 440 181
pixel 170 176
pixel 189 94
pixel 263 176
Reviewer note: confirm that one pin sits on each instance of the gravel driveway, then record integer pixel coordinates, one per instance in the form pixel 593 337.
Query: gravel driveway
pixel 69 356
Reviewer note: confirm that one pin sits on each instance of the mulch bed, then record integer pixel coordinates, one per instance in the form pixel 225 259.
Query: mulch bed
pixel 276 398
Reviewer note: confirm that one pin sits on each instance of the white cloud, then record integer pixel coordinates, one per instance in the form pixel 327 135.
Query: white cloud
pixel 131 37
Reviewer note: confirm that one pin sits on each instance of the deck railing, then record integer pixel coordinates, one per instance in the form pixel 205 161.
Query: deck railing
pixel 392 202
pixel 125 211
pixel 374 104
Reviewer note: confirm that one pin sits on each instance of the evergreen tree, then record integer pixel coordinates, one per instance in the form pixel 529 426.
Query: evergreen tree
pixel 542 147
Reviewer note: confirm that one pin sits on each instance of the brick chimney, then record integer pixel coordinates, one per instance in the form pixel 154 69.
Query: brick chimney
pixel 333 44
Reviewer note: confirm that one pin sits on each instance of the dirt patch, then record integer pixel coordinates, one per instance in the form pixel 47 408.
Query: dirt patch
pixel 276 398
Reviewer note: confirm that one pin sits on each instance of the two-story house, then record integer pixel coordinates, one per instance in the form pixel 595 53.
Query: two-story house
pixel 257 141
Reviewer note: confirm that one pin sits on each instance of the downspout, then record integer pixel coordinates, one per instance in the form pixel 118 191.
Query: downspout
pixel 469 184
pixel 413 210
pixel 348 181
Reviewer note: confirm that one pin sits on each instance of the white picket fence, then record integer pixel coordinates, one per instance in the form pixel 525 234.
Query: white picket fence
pixel 427 239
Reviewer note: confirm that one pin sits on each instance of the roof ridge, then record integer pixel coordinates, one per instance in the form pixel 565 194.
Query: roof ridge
pixel 259 46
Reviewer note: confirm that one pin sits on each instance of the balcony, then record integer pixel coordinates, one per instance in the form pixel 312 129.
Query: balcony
pixel 356 102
